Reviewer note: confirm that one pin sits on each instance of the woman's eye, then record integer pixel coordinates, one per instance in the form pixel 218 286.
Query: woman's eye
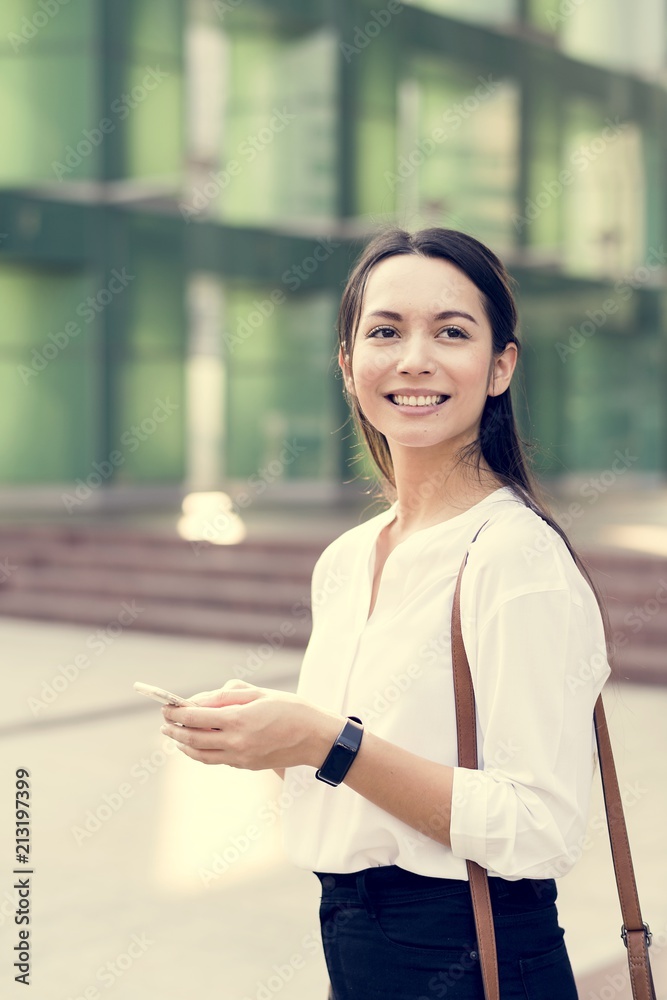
pixel 457 330
pixel 381 329
pixel 387 333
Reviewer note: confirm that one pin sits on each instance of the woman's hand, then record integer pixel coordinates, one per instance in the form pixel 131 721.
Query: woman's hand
pixel 252 728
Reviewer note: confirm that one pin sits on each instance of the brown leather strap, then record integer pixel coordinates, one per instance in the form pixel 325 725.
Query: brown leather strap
pixel 636 937
pixel 466 734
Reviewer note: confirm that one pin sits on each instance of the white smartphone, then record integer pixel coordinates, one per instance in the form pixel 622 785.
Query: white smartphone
pixel 165 697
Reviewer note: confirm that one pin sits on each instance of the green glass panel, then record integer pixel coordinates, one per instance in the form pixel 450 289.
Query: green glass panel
pixel 377 73
pixel 376 118
pixel 376 184
pixel 154 318
pixel 485 11
pixel 151 108
pixel 149 370
pixel 47 376
pixel 605 428
pixel 603 201
pixel 149 421
pixel 279 133
pixel 48 105
pixel 37 308
pixel 655 169
pixel 49 423
pixel 616 34
pixel 280 397
pixel 543 317
pixel 28 25
pixel 586 354
pixel 462 158
pixel 548 16
pixel 540 219
pixel 155 26
pixel 252 189
pixel 286 437
pixel 265 333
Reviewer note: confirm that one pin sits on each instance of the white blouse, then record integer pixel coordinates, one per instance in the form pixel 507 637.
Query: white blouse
pixel 536 647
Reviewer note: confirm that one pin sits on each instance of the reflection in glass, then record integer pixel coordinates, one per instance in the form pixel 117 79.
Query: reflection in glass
pixel 486 11
pixel 459 135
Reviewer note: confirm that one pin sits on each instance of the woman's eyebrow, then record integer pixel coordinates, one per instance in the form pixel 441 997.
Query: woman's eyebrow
pixel 448 314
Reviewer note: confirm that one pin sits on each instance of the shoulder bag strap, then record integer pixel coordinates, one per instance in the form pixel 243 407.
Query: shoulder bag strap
pixel 635 933
pixel 466 734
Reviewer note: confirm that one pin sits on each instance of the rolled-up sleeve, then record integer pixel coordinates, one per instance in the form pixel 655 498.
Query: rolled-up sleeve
pixel 538 665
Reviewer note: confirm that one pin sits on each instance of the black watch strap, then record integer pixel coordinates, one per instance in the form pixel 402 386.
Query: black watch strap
pixel 339 759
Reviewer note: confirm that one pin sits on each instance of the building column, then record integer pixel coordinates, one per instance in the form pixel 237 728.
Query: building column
pixel 205 375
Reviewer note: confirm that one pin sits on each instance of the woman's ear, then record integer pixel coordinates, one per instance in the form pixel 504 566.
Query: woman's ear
pixel 503 369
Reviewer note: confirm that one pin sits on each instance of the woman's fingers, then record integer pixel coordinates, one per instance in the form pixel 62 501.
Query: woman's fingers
pixel 205 756
pixel 206 746
pixel 200 739
pixel 203 695
pixel 195 717
pixel 263 728
pixel 234 692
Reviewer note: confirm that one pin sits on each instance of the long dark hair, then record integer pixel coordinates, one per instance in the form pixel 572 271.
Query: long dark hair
pixel 499 441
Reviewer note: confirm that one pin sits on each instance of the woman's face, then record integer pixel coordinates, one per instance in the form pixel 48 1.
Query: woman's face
pixel 438 342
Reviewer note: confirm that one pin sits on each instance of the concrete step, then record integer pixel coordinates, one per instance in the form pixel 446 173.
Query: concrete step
pixel 210 589
pixel 642 664
pixel 259 586
pixel 629 630
pixel 111 616
pixel 235 592
pixel 245 559
pixel 634 588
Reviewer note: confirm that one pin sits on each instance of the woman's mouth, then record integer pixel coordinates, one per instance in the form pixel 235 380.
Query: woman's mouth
pixel 428 402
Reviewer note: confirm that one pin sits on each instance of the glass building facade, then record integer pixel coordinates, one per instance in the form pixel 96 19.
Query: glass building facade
pixel 184 185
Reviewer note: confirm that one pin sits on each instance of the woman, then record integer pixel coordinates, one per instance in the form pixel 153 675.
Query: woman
pixel 427 350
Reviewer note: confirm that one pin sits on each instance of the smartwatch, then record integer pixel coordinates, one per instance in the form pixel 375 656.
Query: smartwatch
pixel 340 757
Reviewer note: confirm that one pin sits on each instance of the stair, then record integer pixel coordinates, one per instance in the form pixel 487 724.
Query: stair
pixel 254 592
pixel 634 587
pixel 258 591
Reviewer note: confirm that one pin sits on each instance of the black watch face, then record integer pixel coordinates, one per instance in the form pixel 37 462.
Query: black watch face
pixel 340 757
pixel 334 769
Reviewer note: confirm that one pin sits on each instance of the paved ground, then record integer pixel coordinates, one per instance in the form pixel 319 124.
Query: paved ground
pixel 125 900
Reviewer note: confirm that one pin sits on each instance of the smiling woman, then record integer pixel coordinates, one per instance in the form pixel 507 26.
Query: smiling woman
pixel 452 362
pixel 375 803
pixel 452 329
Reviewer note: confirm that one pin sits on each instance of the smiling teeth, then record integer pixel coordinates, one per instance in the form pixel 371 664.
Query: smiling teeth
pixel 417 400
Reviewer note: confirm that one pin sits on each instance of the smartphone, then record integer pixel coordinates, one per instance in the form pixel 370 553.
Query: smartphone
pixel 165 697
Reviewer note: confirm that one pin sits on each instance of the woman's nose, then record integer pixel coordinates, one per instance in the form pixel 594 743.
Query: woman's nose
pixel 415 356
